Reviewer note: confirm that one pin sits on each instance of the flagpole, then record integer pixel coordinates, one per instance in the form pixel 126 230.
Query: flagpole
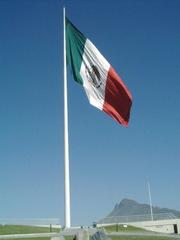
pixel 150 201
pixel 67 214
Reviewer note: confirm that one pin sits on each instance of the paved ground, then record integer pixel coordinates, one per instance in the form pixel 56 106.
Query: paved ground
pixel 30 235
pixel 151 234
pixel 74 231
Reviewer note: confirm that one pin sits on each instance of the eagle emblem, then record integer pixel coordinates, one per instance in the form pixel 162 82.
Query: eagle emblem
pixel 94 76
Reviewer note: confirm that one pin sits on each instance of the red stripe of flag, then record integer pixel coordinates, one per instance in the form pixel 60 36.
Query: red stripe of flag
pixel 118 99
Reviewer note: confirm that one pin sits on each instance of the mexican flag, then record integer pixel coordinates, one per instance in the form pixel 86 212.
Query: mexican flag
pixel 104 88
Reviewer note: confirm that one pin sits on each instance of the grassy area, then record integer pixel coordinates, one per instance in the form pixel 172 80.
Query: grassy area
pixel 128 228
pixel 121 228
pixel 68 238
pixel 18 229
pixel 34 239
pixel 141 238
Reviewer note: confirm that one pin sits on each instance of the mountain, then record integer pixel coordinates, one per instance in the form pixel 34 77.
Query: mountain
pixel 128 207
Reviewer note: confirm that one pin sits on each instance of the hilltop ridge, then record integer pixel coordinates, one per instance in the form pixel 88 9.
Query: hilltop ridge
pixel 129 207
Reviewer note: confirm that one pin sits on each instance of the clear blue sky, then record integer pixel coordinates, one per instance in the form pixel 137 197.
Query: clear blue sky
pixel 141 39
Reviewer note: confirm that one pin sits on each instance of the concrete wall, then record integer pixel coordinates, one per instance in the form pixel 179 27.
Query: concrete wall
pixel 162 226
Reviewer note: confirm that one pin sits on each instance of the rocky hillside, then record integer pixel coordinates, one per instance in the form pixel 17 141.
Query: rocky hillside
pixel 128 207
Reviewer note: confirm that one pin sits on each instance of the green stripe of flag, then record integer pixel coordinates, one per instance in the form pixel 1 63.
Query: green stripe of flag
pixel 75 42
